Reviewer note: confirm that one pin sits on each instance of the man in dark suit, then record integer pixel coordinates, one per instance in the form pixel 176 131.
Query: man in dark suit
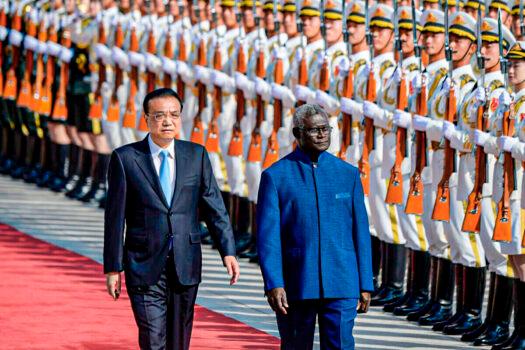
pixel 313 239
pixel 155 188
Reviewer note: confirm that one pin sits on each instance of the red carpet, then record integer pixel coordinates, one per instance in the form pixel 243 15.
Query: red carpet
pixel 52 298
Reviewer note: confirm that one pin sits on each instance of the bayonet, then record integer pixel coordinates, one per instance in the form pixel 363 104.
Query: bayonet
pixel 448 50
pixel 502 59
pixel 323 26
pixel 368 33
pixel 522 23
pixel 417 48
pixel 346 34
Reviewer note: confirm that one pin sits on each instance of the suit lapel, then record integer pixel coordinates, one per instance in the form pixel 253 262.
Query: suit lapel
pixel 145 164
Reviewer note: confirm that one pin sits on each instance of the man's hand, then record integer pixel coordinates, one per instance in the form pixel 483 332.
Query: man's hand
pixel 277 300
pixel 364 303
pixel 232 266
pixel 113 284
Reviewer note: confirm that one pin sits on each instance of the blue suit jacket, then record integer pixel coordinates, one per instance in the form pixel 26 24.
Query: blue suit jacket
pixel 137 204
pixel 313 235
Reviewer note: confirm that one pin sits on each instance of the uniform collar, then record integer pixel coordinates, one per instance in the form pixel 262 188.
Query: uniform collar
pixel 464 70
pixel 490 77
pixel 435 66
pixel 365 54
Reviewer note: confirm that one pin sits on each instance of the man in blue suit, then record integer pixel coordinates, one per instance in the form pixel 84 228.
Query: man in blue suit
pixel 155 188
pixel 313 239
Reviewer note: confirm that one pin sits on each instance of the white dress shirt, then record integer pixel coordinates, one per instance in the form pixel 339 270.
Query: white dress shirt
pixel 157 160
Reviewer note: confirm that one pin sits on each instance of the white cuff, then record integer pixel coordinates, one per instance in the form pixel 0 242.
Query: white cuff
pixel 329 103
pixel 137 59
pixel 30 43
pixel 263 89
pixel 284 94
pixel 66 55
pixel 303 93
pixel 15 37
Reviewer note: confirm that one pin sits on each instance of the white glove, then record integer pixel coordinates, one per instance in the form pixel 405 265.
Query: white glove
pixel 246 85
pixel 344 64
pixel 480 138
pixel 448 129
pixel 303 93
pixel 102 52
pixel 15 37
pixel 402 119
pixel 446 85
pixel 224 81
pixel 420 123
pixel 351 107
pixel 417 81
pixel 504 100
pixel 518 151
pixel 120 57
pixel 371 110
pixel 53 49
pixel 137 59
pixel 280 52
pixel 480 96
pixel 298 55
pixel 398 75
pixel 284 94
pixel 263 89
pixel 328 102
pixel 506 143
pixel 203 74
pixel 41 48
pixel 3 33
pixel 435 130
pixel 66 55
pixel 185 72
pixel 366 70
pixel 169 66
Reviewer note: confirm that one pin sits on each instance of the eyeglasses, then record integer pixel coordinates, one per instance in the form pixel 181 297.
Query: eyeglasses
pixel 160 116
pixel 323 130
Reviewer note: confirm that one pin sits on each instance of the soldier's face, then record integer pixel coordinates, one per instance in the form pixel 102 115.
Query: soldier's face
pixel 314 136
pixel 269 19
pixel 433 43
pixel 490 51
pixel 228 17
pixel 248 19
pixel 516 28
pixel 382 39
pixel 431 5
pixel 289 23
pixel 70 6
pixel 407 41
pixel 462 48
pixel 334 30
pixel 357 32
pixel 516 72
pixel 165 128
pixel 311 26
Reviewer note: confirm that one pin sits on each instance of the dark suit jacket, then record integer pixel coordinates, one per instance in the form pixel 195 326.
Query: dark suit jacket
pixel 136 204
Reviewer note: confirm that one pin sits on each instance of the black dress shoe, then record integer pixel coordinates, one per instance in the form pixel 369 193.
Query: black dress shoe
pixel 94 194
pixel 391 295
pixel 44 179
pixel 439 313
pixel 438 327
pixel 390 307
pixel 413 304
pixel 507 343
pixel 466 324
pixel 6 166
pixel 57 184
pixel 243 243
pixel 494 334
pixel 18 172
pixel 32 174
pixel 82 189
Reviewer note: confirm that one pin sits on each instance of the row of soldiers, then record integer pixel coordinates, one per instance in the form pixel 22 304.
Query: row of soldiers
pixel 429 105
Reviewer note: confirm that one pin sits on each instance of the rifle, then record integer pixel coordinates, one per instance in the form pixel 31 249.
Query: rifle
pixel 522 23
pixel 394 194
pixel 235 148
pixel 11 85
pixel 182 55
pixel 272 151
pixel 25 96
pixel 37 88
pixel 168 47
pixel 348 92
pixel 472 220
pixel 151 77
pixel 255 149
pixel 503 224
pixel 414 203
pixel 197 133
pixel 60 107
pixel 95 111
pixel 130 115
pixel 113 114
pixel 441 210
pixel 371 94
pixel 303 65
pixel 3 23
pixel 45 101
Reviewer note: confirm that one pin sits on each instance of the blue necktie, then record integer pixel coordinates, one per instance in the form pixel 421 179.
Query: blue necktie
pixel 164 176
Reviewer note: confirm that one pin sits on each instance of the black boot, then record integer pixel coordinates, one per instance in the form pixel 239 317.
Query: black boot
pixel 426 307
pixel 420 266
pixel 381 291
pixel 500 308
pixel 251 253
pixel 376 262
pixel 518 341
pixel 60 165
pixel 442 309
pixel 85 180
pixel 47 163
pixel 97 185
pixel 480 331
pixel 35 166
pixel 474 280
pixel 390 307
pixel 24 146
pixel 74 168
pixel 396 276
pixel 459 273
pixel 243 216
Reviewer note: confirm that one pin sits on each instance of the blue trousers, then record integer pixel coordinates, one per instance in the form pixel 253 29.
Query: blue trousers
pixel 336 322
